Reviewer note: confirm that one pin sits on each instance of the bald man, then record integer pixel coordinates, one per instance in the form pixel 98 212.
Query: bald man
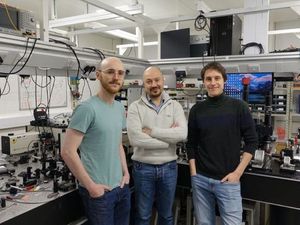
pixel 155 123
pixel 96 129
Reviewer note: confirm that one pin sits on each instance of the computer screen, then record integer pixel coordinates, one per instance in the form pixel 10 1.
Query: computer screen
pixel 260 85
pixel 5 21
pixel 175 43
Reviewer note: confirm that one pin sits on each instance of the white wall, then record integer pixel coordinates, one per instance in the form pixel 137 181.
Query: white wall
pixel 284 41
pixel 99 42
pixel 12 116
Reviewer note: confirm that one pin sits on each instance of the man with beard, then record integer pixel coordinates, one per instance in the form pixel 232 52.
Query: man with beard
pixel 96 129
pixel 155 123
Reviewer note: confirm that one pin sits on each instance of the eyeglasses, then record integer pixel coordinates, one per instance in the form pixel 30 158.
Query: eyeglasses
pixel 112 72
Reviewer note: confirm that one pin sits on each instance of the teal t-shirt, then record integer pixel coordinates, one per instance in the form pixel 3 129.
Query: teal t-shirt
pixel 102 125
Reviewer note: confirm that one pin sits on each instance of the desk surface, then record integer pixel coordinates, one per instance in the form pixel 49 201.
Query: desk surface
pixel 274 186
pixel 268 186
pixel 37 207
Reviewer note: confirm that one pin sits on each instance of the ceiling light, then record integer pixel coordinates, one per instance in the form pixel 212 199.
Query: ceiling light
pixel 94 25
pixel 151 43
pixel 59 31
pixel 96 16
pixel 284 31
pixel 296 9
pixel 123 34
pixel 116 32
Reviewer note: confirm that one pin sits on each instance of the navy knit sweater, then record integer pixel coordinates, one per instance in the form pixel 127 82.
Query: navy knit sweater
pixel 216 128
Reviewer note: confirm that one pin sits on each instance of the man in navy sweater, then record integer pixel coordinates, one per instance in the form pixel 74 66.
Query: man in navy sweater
pixel 216 128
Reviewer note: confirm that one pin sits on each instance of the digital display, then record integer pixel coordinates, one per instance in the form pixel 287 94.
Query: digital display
pixel 260 85
pixel 5 21
pixel 175 43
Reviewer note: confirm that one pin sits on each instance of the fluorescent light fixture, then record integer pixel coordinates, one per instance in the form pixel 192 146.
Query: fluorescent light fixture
pixel 151 43
pixel 131 9
pixel 94 25
pixel 59 31
pixel 123 34
pixel 122 48
pixel 96 16
pixel 284 31
pixel 296 9
pixel 116 32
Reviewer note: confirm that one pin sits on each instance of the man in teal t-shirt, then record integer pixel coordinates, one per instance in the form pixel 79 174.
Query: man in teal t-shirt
pixel 96 129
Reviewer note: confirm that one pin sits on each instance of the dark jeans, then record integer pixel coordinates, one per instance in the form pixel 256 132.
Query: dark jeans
pixel 112 208
pixel 154 183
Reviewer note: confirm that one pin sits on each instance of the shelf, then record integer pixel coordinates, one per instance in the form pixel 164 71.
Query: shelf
pixel 278 115
pixel 189 89
pixel 295 114
pixel 279 89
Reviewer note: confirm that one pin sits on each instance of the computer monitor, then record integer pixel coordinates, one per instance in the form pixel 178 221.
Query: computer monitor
pixel 10 21
pixel 261 84
pixel 175 43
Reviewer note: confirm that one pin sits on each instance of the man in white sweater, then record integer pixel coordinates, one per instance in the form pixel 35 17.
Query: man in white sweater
pixel 155 123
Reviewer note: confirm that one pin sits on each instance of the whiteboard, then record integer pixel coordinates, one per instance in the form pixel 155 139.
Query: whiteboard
pixel 35 91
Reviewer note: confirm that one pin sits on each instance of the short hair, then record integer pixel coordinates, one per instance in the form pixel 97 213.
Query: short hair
pixel 214 66
pixel 152 68
pixel 105 60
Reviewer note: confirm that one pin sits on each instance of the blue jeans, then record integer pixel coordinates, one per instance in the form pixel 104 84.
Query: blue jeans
pixel 154 183
pixel 112 208
pixel 208 191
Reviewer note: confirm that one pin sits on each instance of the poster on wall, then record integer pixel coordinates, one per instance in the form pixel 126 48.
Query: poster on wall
pixel 42 91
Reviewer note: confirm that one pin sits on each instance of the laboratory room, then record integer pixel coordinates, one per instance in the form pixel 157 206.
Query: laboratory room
pixel 139 112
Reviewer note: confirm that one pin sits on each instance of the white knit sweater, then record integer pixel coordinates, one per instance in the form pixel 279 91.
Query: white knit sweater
pixel 160 146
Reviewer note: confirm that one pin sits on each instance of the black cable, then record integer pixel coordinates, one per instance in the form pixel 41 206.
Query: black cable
pixel 15 72
pixel 26 47
pixel 35 81
pixel 69 85
pixel 130 49
pixel 41 97
pixel 72 49
pixel 88 84
pixel 47 93
pixel 27 91
pixel 51 91
pixel 252 44
pixel 100 53
pixel 35 88
pixel 6 84
pixel 82 90
pixel 200 23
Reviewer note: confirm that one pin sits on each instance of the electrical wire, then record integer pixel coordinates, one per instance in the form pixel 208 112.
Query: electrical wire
pixel 26 61
pixel 201 23
pixel 82 90
pixel 198 91
pixel 35 81
pixel 252 44
pixel 27 91
pixel 130 49
pixel 88 84
pixel 73 51
pixel 100 53
pixel 50 96
pixel 15 72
